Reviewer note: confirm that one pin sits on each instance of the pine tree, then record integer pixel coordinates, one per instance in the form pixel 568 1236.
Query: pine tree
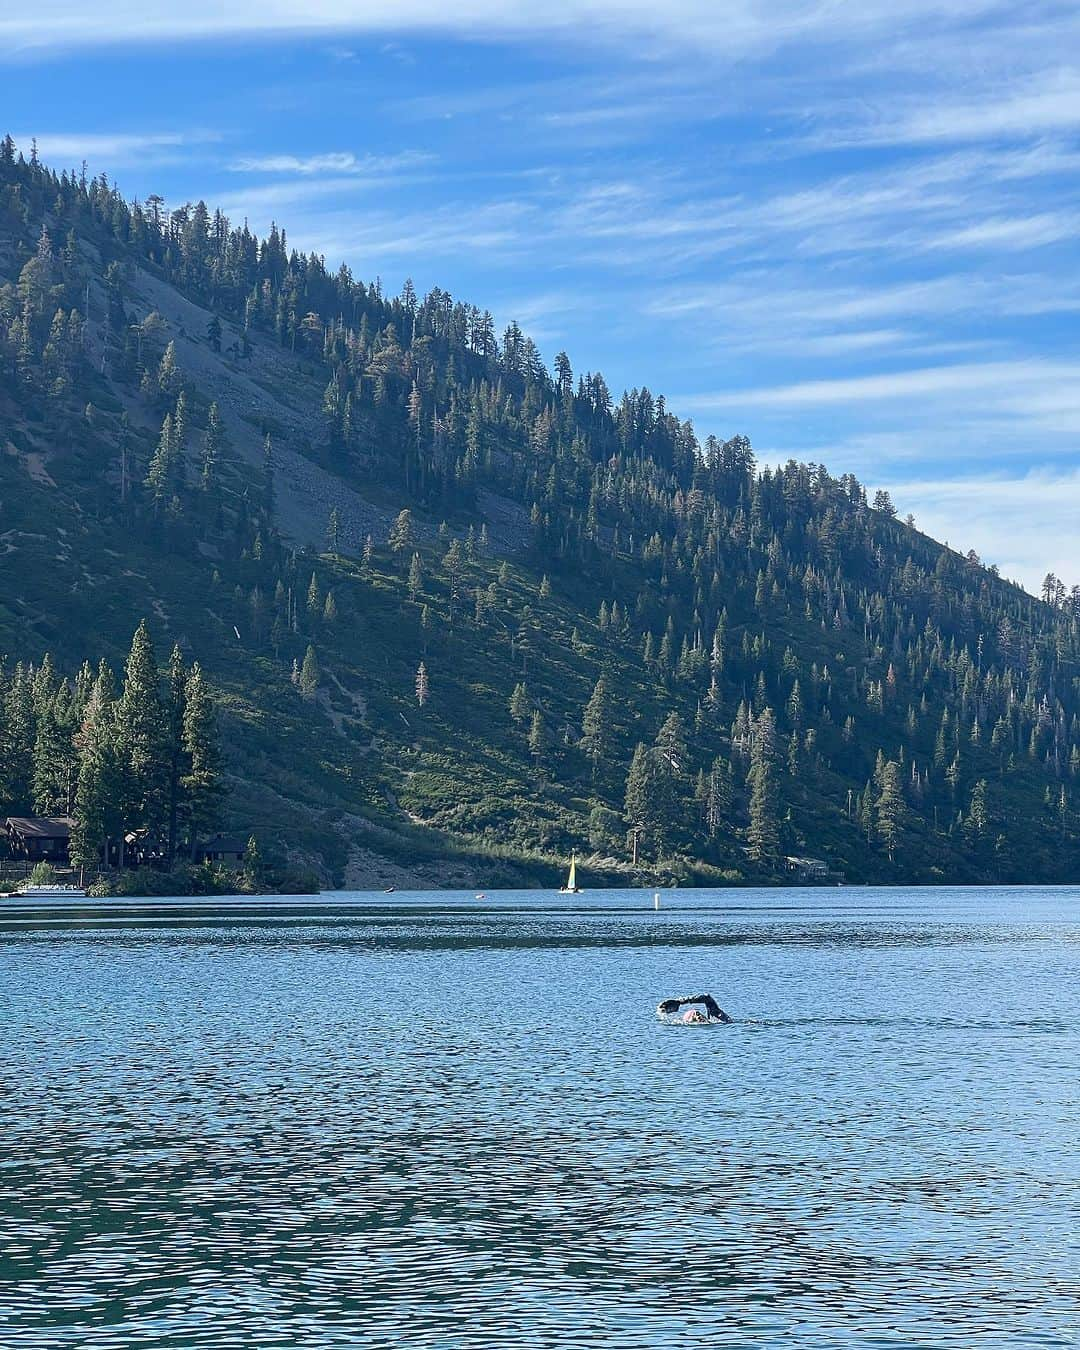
pixel 99 794
pixel 309 673
pixel 454 563
pixel 671 744
pixel 421 685
pixel 538 740
pixel 763 835
pixel 143 736
pixel 202 784
pixel 168 373
pixel 212 448
pixel 717 796
pixel 401 534
pixel 596 725
pixel 890 807
pixel 669 765
pixel 268 474
pixel 416 577
pixel 333 530
pixel 18 747
pixel 159 474
pixel 641 801
pixel 519 703
pixel 978 819
pixel 53 756
pixel 175 711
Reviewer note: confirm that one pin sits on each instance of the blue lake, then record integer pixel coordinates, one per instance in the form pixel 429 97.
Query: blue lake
pixel 428 1120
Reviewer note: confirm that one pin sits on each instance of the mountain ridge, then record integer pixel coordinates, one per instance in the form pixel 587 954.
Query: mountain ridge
pixel 556 540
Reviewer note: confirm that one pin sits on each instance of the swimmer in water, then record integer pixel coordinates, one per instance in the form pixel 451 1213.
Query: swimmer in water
pixel 709 1011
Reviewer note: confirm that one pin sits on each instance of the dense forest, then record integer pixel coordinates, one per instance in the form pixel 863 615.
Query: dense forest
pixel 139 762
pixel 463 613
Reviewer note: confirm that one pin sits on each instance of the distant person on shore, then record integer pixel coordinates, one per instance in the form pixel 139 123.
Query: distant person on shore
pixel 708 1011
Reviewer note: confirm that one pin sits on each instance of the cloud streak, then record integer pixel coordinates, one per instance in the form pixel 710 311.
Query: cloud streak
pixel 117 149
pixel 1026 524
pixel 1022 387
pixel 732 30
pixel 332 162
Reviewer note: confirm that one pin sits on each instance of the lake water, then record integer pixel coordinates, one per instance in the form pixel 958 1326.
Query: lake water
pixel 436 1121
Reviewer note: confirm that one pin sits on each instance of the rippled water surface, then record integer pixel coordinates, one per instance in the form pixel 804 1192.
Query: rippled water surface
pixel 432 1120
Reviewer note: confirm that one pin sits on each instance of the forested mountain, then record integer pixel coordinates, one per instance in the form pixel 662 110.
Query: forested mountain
pixel 452 605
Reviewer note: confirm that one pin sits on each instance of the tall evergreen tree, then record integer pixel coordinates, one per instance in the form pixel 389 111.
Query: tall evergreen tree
pixel 53 766
pixel 309 673
pixel 99 793
pixel 638 809
pixel 538 740
pixel 203 783
pixel 596 725
pixel 519 702
pixel 175 713
pixel 212 448
pixel 763 835
pixel 890 807
pixel 19 740
pixel 144 737
pixel 401 533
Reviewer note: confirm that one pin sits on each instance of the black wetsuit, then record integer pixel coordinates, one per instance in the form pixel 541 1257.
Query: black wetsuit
pixel 713 1010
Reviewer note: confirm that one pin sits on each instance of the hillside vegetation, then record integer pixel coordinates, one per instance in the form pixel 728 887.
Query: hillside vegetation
pixel 461 614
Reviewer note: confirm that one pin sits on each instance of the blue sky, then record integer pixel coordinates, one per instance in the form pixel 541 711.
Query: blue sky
pixel 846 230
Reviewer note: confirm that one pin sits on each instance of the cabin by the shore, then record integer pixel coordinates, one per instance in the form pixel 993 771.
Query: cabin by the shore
pixel 809 869
pixel 34 839
pixel 222 848
pixel 39 838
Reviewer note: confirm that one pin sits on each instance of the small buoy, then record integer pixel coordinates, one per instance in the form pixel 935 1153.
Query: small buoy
pixel 656 900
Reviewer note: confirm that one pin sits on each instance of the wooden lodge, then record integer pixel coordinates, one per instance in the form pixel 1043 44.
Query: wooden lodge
pixel 39 838
pixel 810 870
pixel 222 848
pixel 34 839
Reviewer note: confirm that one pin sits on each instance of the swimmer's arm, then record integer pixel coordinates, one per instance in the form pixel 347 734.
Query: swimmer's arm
pixel 712 1008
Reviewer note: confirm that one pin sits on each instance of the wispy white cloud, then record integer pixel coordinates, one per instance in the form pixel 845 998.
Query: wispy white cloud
pixel 259 204
pixel 1022 386
pixel 1025 107
pixel 733 29
pixel 370 238
pixel 332 162
pixel 797 311
pixel 111 149
pixel 1012 233
pixel 546 315
pixel 1025 524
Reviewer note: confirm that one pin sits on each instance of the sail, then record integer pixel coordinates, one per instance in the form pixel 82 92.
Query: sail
pixel 571 880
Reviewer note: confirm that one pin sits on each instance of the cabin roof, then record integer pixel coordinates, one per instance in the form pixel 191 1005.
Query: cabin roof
pixel 41 827
pixel 224 843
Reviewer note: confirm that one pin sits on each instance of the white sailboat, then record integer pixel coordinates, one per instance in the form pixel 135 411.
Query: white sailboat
pixel 571 887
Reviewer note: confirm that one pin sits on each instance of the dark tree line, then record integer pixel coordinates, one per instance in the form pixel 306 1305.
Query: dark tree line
pixel 136 757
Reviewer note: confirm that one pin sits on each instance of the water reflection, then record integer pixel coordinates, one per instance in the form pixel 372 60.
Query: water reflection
pixel 419 1125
